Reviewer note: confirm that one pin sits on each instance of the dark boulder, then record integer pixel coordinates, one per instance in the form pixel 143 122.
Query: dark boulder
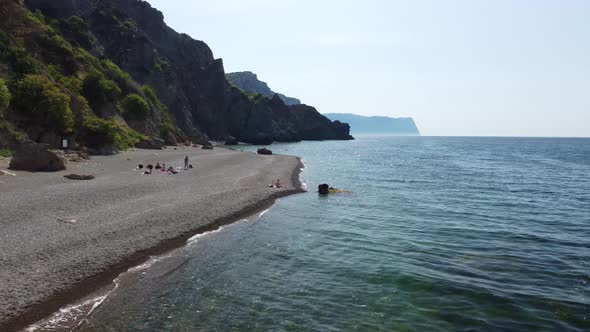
pixel 207 147
pixel 152 143
pixel 323 189
pixel 265 151
pixel 230 140
pixel 35 157
pixel 79 177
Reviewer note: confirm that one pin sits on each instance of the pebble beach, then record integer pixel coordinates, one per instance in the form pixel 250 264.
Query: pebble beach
pixel 61 239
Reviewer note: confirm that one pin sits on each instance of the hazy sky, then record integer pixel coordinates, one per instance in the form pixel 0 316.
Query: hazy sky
pixel 458 67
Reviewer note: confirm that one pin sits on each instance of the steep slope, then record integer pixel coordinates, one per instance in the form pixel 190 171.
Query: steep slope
pixel 377 124
pixel 182 71
pixel 58 90
pixel 249 82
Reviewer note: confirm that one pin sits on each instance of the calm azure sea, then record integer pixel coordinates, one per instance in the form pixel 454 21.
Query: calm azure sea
pixel 437 234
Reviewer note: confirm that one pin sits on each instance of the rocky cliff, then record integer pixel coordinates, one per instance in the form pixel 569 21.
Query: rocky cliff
pixel 52 88
pixel 377 124
pixel 249 82
pixel 189 82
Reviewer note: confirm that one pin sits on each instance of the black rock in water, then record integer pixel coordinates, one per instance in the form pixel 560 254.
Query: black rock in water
pixel 323 189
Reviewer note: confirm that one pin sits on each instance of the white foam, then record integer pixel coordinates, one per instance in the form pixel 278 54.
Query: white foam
pixel 263 213
pixel 71 313
pixel 198 236
pixel 79 312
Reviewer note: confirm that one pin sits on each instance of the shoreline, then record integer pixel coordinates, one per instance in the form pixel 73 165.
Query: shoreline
pixel 48 306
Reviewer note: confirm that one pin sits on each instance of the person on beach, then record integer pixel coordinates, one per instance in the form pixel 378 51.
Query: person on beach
pixel 158 167
pixel 278 184
pixel 186 162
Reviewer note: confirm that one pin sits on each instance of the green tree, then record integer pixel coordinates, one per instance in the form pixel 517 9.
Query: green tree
pixel 40 99
pixel 135 107
pixel 98 90
pixel 4 96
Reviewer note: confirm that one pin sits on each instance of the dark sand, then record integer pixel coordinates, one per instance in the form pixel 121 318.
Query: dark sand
pixel 62 239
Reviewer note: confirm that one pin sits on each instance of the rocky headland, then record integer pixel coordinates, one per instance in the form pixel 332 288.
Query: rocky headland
pixel 107 74
pixel 377 124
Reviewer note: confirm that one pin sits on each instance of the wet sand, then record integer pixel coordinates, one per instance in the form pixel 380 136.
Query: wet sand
pixel 62 239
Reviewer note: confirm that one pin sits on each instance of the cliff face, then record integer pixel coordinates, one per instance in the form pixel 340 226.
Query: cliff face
pixel 249 82
pixel 53 89
pixel 377 124
pixel 182 71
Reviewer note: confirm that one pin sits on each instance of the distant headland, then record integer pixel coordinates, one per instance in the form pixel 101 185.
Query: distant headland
pixel 377 124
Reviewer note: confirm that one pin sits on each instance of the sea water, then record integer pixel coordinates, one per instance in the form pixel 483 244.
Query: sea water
pixel 437 234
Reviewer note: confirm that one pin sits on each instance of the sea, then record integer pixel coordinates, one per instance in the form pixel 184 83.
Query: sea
pixel 434 234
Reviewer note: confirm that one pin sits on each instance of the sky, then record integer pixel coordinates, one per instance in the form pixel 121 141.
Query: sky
pixel 458 67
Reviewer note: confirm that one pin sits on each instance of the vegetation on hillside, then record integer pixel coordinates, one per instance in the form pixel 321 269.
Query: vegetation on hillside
pixel 42 101
pixel 51 86
pixel 5 96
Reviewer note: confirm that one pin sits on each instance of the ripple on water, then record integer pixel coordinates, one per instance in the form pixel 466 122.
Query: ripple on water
pixel 440 234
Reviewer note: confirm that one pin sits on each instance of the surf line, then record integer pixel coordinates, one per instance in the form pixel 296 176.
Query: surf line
pixel 73 316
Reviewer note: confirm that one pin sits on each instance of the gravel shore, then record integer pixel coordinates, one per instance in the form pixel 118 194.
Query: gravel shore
pixel 61 239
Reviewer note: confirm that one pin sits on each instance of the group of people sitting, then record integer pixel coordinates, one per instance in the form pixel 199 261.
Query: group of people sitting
pixel 162 168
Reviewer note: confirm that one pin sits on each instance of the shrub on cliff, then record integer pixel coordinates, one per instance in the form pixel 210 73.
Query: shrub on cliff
pixel 72 83
pixel 99 132
pixel 135 107
pixel 22 62
pixel 56 45
pixel 167 123
pixel 41 100
pixel 4 96
pixel 98 90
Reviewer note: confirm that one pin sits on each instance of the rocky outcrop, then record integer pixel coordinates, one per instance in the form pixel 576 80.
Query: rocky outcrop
pixel 151 144
pixel 249 82
pixel 230 140
pixel 35 157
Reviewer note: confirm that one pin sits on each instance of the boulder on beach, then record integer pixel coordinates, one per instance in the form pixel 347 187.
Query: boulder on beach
pixel 265 151
pixel 35 157
pixel 207 147
pixel 230 140
pixel 79 177
pixel 152 143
